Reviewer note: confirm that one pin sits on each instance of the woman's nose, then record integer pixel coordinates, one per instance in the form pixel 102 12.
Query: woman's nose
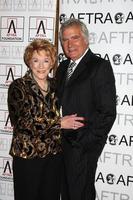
pixel 41 65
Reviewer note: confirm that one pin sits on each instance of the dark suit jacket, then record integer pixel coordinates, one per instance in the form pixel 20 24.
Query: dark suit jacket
pixel 91 94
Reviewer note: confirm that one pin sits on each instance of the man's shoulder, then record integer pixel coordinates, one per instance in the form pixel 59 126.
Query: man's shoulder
pixel 96 59
pixel 64 62
pixel 63 65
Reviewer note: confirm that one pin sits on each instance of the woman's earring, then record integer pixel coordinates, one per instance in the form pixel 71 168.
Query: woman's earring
pixel 51 73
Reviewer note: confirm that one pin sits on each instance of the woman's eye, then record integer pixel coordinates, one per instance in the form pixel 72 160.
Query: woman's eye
pixel 46 61
pixel 35 60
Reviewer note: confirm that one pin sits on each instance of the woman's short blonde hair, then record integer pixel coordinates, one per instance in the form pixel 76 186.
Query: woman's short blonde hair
pixel 39 45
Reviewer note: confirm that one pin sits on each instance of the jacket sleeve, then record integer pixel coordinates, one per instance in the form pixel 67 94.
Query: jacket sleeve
pixel 15 102
pixel 104 99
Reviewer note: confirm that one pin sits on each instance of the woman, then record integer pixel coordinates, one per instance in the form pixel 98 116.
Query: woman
pixel 34 115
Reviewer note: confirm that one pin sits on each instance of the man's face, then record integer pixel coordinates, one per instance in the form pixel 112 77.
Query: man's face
pixel 73 42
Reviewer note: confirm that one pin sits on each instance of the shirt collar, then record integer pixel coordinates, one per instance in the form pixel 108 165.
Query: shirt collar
pixel 78 60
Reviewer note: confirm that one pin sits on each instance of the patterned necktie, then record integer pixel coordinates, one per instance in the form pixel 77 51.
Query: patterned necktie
pixel 70 70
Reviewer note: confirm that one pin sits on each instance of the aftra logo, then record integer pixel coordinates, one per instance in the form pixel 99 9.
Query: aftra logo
pixel 113 179
pixel 112 195
pixel 41 27
pixel 119 18
pixel 112 139
pixel 7 126
pixel 6 164
pixel 116 158
pixel 102 18
pixel 11 29
pixel 61 57
pixel 125 100
pixel 123 140
pixel 10 74
pixel 63 18
pixel 110 179
pixel 7 168
pixel 7 121
pixel 123 78
pixel 118 59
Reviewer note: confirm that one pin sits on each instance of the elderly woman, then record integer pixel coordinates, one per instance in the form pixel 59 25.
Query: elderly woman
pixel 36 143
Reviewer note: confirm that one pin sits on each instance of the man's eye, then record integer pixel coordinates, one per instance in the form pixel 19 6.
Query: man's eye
pixel 64 39
pixel 76 37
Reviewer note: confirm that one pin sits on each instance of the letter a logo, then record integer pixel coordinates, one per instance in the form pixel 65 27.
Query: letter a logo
pixel 41 27
pixel 10 73
pixel 7 169
pixel 11 28
pixel 8 118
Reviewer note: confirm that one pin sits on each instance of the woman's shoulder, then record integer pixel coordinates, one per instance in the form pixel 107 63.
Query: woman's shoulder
pixel 16 83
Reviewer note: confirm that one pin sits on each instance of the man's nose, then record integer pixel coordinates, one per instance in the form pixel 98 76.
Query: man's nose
pixel 69 43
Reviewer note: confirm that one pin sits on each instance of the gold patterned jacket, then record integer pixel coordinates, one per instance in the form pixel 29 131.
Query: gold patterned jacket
pixel 35 119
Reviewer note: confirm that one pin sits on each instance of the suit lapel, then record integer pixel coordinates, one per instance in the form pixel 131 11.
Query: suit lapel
pixel 84 64
pixel 62 74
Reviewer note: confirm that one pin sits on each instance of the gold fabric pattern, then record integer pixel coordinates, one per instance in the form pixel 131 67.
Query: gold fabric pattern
pixel 35 119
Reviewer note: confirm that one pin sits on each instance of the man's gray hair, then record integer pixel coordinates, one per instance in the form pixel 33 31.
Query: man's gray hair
pixel 75 22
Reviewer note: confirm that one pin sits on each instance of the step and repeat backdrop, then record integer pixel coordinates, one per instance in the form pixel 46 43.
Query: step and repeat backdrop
pixel 110 24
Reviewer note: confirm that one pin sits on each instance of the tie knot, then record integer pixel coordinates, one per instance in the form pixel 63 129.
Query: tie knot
pixel 72 64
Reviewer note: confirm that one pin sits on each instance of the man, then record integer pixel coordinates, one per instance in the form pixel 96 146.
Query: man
pixel 89 92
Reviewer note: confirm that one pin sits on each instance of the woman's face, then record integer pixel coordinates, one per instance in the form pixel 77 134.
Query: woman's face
pixel 40 65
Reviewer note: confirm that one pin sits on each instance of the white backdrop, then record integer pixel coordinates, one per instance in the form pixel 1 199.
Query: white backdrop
pixel 110 23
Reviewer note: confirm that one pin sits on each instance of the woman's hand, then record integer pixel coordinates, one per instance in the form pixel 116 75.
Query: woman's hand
pixel 72 122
